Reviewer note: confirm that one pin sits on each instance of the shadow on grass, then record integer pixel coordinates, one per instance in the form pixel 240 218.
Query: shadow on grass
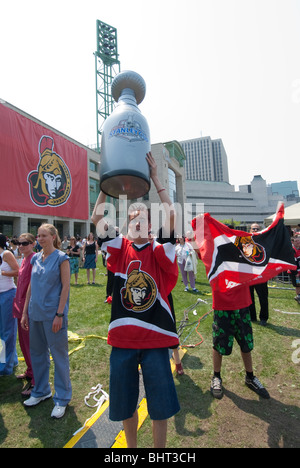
pixel 51 433
pixel 284 331
pixel 283 420
pixel 83 285
pixel 38 429
pixel 3 430
pixel 193 401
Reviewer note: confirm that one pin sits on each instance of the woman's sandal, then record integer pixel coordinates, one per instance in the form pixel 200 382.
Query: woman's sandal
pixel 27 391
pixel 22 376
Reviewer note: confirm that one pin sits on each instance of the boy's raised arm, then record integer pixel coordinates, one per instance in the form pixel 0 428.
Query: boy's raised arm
pixel 163 195
pixel 98 213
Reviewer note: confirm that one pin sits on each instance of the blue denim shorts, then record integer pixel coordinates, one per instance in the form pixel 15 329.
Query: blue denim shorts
pixel 159 384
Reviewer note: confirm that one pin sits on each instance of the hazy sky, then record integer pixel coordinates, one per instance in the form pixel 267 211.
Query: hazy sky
pixel 227 69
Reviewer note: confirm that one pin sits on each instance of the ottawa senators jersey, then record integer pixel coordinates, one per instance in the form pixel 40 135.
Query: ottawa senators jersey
pixel 232 300
pixel 297 259
pixel 141 316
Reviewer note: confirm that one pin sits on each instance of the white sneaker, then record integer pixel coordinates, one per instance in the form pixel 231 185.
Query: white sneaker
pixel 58 411
pixel 33 401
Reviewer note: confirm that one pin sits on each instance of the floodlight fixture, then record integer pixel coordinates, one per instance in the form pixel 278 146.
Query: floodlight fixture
pixel 107 66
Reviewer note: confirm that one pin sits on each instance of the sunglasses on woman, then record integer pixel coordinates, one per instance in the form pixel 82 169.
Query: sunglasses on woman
pixel 24 243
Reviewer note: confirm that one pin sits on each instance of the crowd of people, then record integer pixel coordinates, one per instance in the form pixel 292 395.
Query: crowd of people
pixel 34 303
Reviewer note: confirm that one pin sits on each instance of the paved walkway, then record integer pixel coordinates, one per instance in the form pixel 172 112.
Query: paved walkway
pixel 100 432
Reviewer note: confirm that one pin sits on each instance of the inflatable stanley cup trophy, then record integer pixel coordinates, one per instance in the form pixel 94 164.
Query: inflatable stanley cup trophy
pixel 125 141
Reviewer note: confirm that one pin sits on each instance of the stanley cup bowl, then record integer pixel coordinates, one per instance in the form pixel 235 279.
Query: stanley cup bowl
pixel 131 80
pixel 125 142
pixel 131 186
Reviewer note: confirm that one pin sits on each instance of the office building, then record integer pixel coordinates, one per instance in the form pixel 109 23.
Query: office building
pixel 206 159
pixel 287 188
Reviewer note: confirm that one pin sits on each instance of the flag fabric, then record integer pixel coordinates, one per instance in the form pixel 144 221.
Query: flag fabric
pixel 41 171
pixel 235 259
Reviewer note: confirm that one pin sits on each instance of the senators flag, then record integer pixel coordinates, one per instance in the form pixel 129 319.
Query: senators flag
pixel 235 259
pixel 41 171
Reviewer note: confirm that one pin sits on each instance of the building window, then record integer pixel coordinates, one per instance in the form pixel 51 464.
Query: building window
pixel 172 185
pixel 94 192
pixel 93 166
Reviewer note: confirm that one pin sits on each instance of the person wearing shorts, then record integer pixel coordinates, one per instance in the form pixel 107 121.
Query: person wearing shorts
pixel 228 325
pixel 124 381
pixel 142 327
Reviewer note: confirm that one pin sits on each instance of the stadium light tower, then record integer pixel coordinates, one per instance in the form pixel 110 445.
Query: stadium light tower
pixel 107 66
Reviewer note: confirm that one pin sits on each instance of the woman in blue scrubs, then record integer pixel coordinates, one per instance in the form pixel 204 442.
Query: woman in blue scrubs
pixel 46 308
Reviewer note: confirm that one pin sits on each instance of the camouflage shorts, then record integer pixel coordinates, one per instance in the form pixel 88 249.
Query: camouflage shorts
pixel 230 324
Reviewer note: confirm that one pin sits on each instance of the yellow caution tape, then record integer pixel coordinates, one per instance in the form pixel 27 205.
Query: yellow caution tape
pixel 74 337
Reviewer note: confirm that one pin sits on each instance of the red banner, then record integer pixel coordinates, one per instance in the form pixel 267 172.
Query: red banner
pixel 41 172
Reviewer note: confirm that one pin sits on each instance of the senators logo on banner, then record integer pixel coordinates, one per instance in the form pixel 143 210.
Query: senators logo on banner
pixel 251 251
pixel 50 184
pixel 45 172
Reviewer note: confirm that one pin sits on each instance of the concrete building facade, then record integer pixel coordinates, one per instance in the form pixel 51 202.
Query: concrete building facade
pixel 16 222
pixel 195 173
pixel 170 160
pixel 207 182
pixel 251 203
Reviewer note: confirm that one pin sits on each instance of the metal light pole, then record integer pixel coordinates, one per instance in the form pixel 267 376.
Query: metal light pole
pixel 107 66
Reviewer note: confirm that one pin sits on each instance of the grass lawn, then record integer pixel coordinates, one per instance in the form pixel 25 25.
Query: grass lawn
pixel 240 419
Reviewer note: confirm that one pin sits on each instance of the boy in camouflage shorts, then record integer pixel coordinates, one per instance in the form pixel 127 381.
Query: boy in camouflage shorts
pixel 227 325
pixel 230 324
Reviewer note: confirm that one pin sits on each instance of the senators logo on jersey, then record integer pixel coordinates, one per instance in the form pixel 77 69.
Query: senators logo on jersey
pixel 140 291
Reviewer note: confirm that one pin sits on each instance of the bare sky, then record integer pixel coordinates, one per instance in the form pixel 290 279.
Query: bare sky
pixel 227 69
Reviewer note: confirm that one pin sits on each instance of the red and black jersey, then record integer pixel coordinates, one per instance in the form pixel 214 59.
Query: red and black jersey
pixel 297 259
pixel 234 299
pixel 141 316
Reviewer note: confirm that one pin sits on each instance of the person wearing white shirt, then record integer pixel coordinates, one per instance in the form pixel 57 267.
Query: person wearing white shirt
pixel 9 269
pixel 187 263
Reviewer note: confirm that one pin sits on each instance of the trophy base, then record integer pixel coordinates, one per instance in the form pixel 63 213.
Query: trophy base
pixel 129 185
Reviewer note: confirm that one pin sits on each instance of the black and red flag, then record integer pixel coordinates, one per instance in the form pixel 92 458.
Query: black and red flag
pixel 235 259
